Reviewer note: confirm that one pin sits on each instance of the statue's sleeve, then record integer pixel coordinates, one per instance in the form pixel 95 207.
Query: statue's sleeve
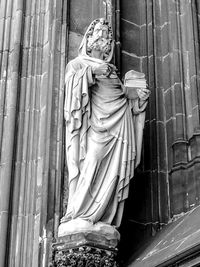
pixel 78 80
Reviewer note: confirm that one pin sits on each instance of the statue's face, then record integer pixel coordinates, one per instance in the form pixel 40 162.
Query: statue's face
pixel 100 39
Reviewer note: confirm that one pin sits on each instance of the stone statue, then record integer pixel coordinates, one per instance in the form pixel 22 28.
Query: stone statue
pixel 103 134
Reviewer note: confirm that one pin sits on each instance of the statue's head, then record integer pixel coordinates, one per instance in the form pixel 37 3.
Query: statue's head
pixel 99 37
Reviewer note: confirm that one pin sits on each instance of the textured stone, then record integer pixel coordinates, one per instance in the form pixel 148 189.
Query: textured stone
pixel 80 232
pixel 82 15
pixel 180 152
pixel 162 145
pixel 6 38
pixel 74 42
pixel 130 62
pixel 178 95
pixel 177 243
pixel 167 73
pixel 17 27
pixel 164 197
pixel 136 15
pixel 195 146
pixel 85 256
pixel 3 233
pixel 168 96
pixel 2 8
pixel 161 11
pixel 176 66
pixel 170 125
pixel 180 126
pixel 130 34
pixel 176 189
pixel 161 102
pixel 163 44
pixel 195 119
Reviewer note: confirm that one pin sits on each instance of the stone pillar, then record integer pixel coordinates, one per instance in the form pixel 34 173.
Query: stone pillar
pixel 32 63
pixel 11 17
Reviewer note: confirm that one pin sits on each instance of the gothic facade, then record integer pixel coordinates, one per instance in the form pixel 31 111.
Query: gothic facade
pixel 159 38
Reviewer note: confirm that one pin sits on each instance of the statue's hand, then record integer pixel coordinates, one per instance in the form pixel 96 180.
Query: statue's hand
pixel 143 93
pixel 103 69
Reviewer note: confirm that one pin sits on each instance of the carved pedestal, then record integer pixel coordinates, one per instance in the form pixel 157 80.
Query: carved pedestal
pixel 95 246
pixel 83 256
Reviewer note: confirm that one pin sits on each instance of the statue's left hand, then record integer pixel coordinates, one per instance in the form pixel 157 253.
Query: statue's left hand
pixel 143 93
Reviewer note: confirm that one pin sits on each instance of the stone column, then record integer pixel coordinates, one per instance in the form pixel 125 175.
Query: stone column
pixel 32 63
pixel 11 18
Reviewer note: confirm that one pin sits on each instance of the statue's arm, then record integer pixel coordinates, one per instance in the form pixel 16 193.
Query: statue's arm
pixel 78 79
pixel 76 70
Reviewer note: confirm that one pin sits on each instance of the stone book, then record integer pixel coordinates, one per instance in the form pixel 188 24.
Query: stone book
pixel 132 81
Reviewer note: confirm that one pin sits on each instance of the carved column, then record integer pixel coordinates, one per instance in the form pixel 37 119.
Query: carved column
pixel 32 64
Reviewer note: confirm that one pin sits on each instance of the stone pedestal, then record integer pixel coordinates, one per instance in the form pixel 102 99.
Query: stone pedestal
pixel 91 245
pixel 87 255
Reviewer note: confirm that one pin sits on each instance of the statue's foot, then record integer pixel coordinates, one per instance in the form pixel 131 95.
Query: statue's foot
pixel 74 226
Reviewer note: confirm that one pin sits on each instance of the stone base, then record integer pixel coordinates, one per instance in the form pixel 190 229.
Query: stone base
pixel 85 244
pixel 84 256
pixel 81 232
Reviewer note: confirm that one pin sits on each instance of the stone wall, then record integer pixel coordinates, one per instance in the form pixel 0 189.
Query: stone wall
pixel 161 39
pixel 32 63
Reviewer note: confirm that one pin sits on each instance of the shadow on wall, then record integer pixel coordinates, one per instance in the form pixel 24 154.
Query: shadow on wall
pixel 136 228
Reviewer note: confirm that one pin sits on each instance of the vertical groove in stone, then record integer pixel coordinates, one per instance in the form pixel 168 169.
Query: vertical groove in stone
pixel 32 72
pixel 54 127
pixel 186 30
pixel 3 74
pixel 186 116
pixel 59 135
pixel 195 80
pixel 117 35
pixel 21 180
pixel 33 127
pixel 10 70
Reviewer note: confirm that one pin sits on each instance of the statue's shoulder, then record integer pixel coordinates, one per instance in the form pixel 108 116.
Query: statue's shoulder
pixel 75 63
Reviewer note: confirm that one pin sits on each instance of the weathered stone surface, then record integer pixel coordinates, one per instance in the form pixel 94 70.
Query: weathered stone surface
pixel 95 247
pixel 136 16
pixel 81 232
pixel 74 42
pixel 129 62
pixel 130 34
pixel 85 256
pixel 175 243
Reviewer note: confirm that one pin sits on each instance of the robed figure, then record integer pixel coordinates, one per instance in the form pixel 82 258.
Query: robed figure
pixel 103 131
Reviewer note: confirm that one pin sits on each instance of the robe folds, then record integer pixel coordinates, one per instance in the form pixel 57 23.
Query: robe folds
pixel 103 142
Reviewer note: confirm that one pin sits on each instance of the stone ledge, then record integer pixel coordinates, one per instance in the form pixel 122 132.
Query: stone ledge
pixel 87 238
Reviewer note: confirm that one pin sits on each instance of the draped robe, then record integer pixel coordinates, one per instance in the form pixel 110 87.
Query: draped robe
pixel 103 142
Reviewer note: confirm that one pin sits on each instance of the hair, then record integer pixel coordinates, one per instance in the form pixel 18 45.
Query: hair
pixel 89 35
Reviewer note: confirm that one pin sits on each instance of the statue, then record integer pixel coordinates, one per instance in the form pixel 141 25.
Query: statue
pixel 103 133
